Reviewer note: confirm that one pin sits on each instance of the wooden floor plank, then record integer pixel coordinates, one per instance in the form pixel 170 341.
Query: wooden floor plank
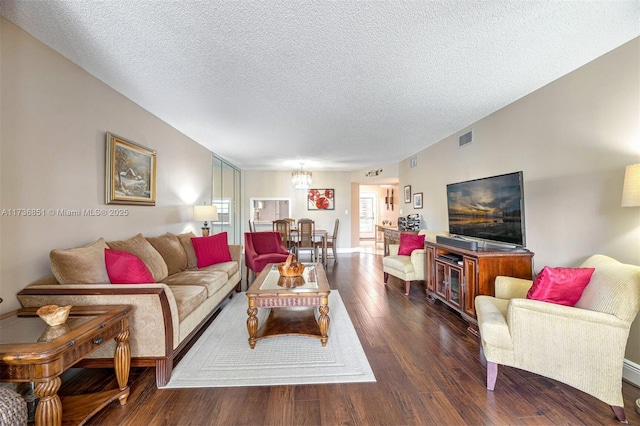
pixel 426 364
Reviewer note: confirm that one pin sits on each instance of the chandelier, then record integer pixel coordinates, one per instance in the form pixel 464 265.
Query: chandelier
pixel 301 179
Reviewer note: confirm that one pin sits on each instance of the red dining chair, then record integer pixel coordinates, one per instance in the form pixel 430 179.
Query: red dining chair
pixel 261 248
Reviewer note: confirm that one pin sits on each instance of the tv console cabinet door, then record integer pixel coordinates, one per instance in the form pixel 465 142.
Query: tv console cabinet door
pixel 440 285
pixel 430 277
pixel 471 286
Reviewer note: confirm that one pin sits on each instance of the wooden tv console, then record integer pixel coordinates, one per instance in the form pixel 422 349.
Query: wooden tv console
pixel 456 276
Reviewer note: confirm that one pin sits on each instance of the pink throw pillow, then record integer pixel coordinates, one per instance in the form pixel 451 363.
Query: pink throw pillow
pixel 562 286
pixel 211 250
pixel 126 268
pixel 409 243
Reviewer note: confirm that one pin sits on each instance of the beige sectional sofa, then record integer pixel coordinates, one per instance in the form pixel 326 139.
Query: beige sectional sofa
pixel 167 314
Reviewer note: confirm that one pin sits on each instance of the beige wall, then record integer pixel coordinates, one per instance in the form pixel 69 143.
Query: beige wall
pixel 54 117
pixel 277 184
pixel 572 139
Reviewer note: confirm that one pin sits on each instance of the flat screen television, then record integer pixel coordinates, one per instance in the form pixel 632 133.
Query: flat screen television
pixel 490 208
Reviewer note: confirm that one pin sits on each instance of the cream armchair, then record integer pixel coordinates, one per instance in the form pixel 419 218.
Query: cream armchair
pixel 407 268
pixel 582 346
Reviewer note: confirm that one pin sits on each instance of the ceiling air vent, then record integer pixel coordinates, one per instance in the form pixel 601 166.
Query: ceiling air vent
pixel 465 139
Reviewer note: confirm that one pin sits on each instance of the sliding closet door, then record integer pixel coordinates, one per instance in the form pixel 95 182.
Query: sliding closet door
pixel 226 197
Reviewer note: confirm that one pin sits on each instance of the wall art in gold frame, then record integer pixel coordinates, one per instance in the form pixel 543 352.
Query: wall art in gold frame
pixel 130 176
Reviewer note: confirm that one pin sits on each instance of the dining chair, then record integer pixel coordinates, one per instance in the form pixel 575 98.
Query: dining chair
pixel 332 241
pixel 306 231
pixel 252 226
pixel 283 227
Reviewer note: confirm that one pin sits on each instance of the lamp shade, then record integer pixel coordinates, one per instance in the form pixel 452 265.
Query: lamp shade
pixel 204 213
pixel 631 187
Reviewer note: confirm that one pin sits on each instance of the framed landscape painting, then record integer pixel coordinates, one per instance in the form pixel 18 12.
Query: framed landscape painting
pixel 130 176
pixel 320 199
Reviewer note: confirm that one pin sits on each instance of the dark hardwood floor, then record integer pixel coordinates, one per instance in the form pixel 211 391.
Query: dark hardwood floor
pixel 426 365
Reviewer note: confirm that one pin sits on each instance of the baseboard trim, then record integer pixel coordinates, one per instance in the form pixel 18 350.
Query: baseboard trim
pixel 631 372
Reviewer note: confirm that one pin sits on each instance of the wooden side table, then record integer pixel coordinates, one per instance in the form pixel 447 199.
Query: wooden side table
pixel 32 351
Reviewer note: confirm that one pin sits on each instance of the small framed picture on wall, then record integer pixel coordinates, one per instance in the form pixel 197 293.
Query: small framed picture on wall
pixel 417 200
pixel 407 193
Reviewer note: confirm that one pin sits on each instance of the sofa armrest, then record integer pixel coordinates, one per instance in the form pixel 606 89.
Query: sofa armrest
pixel 153 323
pixel 512 288
pixel 236 252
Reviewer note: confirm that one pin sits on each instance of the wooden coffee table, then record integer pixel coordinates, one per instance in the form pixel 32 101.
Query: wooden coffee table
pixel 32 351
pixel 292 302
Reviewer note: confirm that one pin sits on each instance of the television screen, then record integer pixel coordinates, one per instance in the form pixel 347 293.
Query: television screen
pixel 491 208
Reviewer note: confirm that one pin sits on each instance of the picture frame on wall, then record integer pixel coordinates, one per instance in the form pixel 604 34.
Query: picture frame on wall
pixel 130 172
pixel 417 200
pixel 407 193
pixel 320 199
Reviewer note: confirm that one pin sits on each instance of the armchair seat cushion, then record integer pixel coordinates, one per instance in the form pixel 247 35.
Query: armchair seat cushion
pixel 261 260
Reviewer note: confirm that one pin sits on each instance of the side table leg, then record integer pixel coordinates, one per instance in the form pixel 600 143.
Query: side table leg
pixel 252 326
pixel 122 364
pixel 49 408
pixel 323 322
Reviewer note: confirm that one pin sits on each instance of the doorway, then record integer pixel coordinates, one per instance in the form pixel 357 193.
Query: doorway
pixel 368 214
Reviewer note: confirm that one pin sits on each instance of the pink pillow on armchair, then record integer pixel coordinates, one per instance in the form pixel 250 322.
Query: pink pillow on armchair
pixel 409 243
pixel 562 286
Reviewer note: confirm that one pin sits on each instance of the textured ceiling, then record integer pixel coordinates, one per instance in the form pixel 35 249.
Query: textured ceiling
pixel 347 84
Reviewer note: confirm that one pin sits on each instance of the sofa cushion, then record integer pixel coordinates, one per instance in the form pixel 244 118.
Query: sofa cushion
pixel 188 298
pixel 209 279
pixel 187 245
pixel 139 246
pixel 562 286
pixel 81 265
pixel 126 268
pixel 409 243
pixel 211 250
pixel 171 250
pixel 228 268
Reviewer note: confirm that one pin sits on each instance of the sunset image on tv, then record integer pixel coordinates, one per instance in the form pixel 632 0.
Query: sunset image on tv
pixel 489 208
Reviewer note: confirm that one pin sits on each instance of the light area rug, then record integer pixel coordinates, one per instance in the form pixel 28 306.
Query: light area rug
pixel 222 358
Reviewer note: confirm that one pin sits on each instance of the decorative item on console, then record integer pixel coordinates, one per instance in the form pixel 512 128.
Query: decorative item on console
pixel 54 315
pixel 409 223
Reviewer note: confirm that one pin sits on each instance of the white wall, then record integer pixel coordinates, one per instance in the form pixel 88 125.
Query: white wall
pixel 572 139
pixel 54 117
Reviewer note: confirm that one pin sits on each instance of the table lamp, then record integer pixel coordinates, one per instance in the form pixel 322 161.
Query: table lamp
pixel 205 213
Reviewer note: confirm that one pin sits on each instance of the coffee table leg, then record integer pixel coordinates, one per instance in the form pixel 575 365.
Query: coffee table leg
pixel 323 322
pixel 122 364
pixel 252 326
pixel 49 408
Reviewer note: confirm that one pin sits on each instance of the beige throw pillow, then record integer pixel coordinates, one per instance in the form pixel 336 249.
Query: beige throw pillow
pixel 139 246
pixel 187 244
pixel 81 265
pixel 171 251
